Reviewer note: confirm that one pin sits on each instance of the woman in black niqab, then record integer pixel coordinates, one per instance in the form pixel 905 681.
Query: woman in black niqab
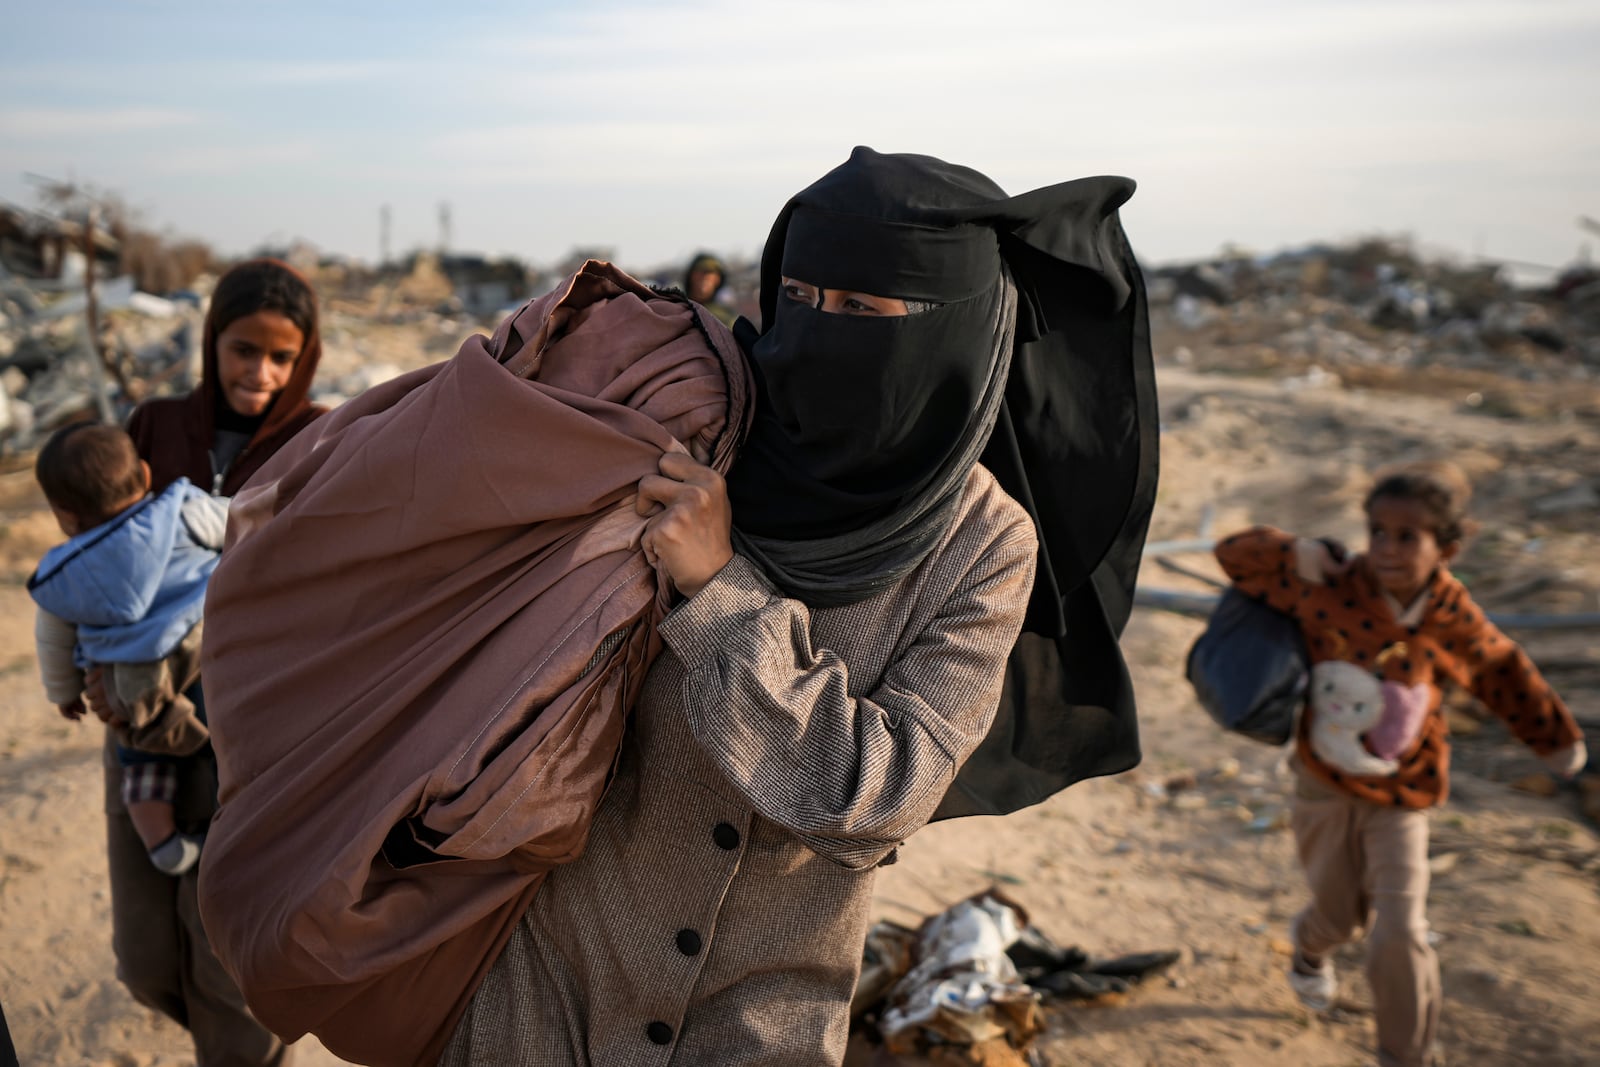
pixel 1035 359
pixel 854 591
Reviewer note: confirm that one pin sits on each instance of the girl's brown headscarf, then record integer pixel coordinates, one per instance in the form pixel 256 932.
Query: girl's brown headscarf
pixel 176 436
pixel 263 285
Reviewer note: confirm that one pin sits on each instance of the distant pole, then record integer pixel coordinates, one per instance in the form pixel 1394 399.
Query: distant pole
pixel 444 227
pixel 98 358
pixel 88 275
pixel 383 236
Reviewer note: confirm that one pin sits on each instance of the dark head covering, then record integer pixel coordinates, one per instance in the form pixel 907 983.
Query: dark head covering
pixel 704 261
pixel 177 435
pixel 252 286
pixel 1037 358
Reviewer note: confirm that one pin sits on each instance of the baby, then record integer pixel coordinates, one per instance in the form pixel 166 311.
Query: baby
pixel 125 593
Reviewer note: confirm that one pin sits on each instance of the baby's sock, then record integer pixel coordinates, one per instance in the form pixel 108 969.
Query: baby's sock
pixel 177 853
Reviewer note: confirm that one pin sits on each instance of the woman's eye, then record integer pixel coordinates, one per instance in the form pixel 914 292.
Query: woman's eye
pixel 282 359
pixel 1360 706
pixel 801 294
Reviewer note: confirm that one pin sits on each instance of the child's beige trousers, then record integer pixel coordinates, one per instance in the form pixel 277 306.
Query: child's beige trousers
pixel 1368 867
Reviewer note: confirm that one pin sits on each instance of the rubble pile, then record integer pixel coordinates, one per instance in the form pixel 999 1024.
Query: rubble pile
pixel 1353 312
pixel 53 374
pixel 1368 314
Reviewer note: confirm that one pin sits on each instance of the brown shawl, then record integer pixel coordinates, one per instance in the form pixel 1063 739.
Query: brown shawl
pixel 175 434
pixel 421 644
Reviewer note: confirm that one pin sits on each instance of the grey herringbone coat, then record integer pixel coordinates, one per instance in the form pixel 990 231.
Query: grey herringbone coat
pixel 777 755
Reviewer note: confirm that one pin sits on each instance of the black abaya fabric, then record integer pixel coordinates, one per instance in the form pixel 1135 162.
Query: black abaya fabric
pixel 862 420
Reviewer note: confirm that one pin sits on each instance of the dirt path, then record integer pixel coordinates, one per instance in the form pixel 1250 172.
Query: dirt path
pixel 1116 865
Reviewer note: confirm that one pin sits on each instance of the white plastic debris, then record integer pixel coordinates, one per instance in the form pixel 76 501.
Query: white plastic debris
pixel 964 989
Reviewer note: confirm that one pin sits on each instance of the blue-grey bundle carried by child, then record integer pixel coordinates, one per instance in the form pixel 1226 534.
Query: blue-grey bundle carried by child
pixel 1384 631
pixel 125 594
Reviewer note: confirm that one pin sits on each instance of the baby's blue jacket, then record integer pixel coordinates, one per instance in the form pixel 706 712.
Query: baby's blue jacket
pixel 134 586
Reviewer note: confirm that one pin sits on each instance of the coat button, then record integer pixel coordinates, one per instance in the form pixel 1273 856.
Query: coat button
pixel 725 836
pixel 659 1033
pixel 688 942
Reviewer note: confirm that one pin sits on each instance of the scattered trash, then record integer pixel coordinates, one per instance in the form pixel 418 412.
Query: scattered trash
pixel 1001 877
pixel 962 988
pixel 1589 795
pixel 1443 863
pixel 973 977
pixel 1580 497
pixel 1314 378
pixel 1278 819
pixel 887 956
pixel 1538 783
pixel 1177 783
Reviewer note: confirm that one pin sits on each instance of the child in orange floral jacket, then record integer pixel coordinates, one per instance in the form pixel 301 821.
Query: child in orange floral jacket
pixel 1385 630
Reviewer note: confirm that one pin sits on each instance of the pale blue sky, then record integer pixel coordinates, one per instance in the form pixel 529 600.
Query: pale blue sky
pixel 658 128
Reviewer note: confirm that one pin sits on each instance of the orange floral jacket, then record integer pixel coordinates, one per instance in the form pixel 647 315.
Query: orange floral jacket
pixel 1443 636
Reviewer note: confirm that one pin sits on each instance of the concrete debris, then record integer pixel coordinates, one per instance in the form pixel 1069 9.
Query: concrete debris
pixel 1374 304
pixel 53 375
pixel 1538 783
pixel 376 322
pixel 1443 863
pixel 1578 498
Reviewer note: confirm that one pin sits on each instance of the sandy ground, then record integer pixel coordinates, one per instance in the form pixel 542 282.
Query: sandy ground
pixel 1115 865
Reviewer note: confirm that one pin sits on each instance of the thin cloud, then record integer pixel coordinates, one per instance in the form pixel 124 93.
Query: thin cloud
pixel 215 160
pixel 332 73
pixel 44 122
pixel 1243 119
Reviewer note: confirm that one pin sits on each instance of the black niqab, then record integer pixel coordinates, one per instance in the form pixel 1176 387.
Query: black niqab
pixel 859 415
pixel 865 425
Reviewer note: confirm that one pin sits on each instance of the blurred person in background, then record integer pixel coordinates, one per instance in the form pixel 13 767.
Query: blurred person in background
pixel 703 282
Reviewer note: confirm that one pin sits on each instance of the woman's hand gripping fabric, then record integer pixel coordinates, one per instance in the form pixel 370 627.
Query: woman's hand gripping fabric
pixel 688 537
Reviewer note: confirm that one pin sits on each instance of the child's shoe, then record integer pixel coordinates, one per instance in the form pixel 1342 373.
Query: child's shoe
pixel 177 853
pixel 1315 986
